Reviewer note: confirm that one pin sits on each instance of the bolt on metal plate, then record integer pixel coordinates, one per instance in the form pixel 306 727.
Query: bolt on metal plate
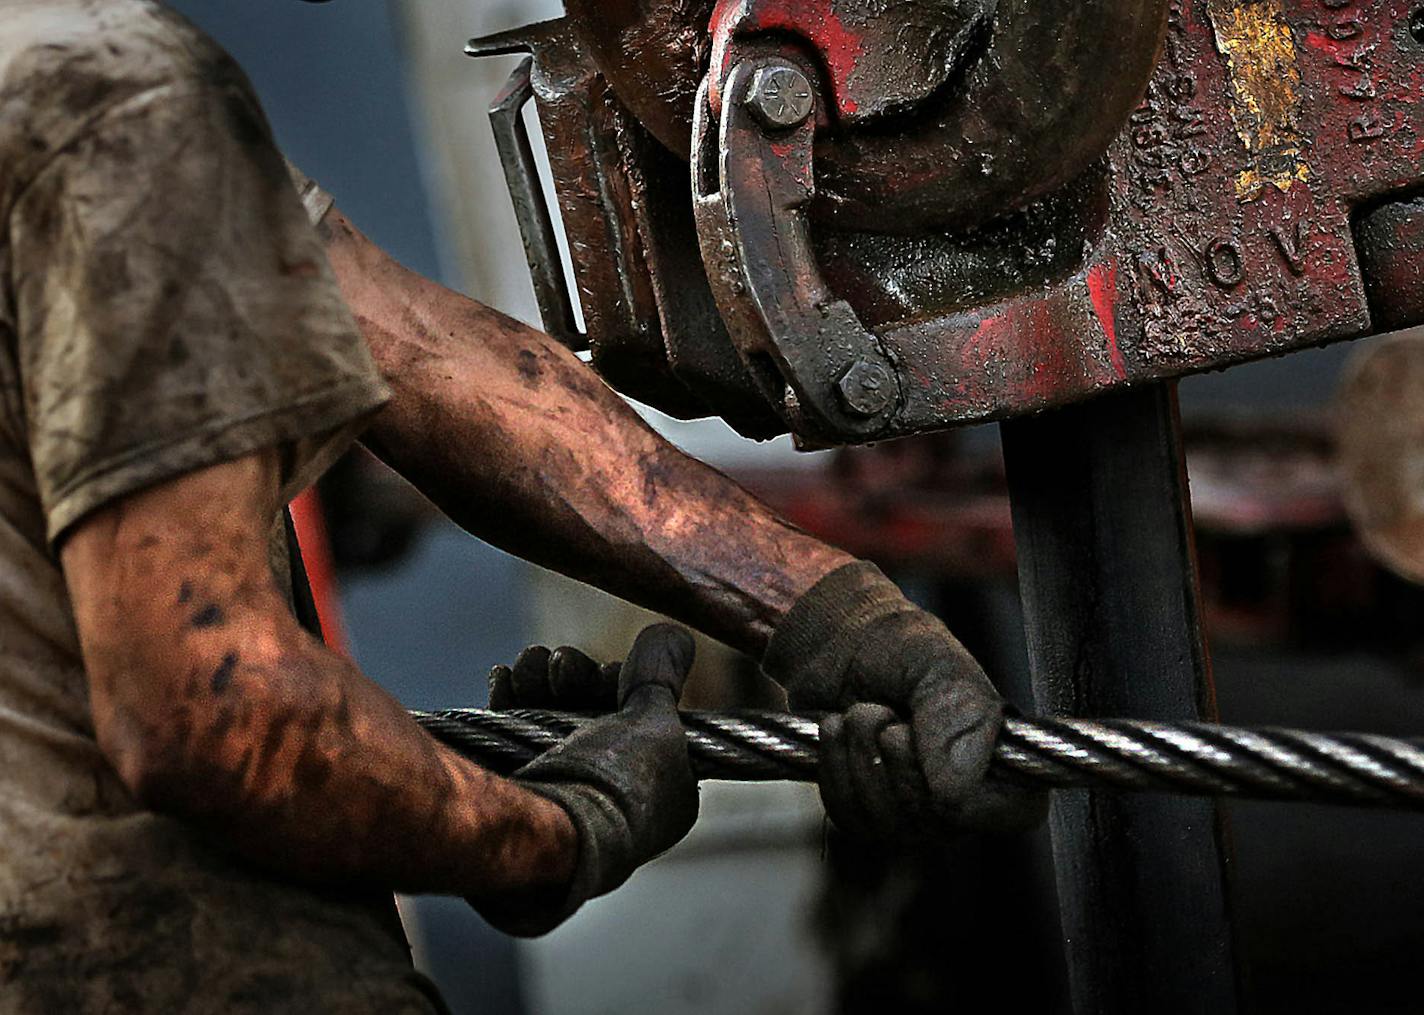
pixel 780 97
pixel 866 389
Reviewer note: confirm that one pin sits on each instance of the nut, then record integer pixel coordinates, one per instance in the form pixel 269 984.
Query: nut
pixel 866 389
pixel 780 96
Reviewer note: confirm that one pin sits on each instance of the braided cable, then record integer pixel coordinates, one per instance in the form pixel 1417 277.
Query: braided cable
pixel 1195 759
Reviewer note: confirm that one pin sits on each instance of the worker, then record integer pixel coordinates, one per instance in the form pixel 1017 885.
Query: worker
pixel 202 808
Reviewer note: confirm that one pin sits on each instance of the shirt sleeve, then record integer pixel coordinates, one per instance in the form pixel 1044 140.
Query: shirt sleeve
pixel 175 308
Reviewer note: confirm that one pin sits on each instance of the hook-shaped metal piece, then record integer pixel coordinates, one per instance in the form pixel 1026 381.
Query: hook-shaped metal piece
pixel 753 185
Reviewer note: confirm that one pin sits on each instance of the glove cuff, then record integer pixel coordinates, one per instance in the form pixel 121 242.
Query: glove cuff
pixel 841 603
pixel 604 860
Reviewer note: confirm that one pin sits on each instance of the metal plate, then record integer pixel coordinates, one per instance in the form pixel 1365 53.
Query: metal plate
pixel 1228 232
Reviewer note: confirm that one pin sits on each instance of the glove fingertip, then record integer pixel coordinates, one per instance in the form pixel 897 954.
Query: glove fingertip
pixel 955 754
pixel 897 747
pixel 573 678
pixel 673 641
pixel 529 680
pixel 897 744
pixel 501 696
pixel 608 675
pixel 533 657
pixel 834 775
pixel 662 656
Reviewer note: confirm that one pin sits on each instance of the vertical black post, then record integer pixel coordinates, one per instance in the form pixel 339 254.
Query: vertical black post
pixel 1107 570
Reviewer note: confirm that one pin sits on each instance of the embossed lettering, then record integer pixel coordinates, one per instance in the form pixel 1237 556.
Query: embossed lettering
pixel 1225 264
pixel 1292 245
pixel 1342 23
pixel 1157 271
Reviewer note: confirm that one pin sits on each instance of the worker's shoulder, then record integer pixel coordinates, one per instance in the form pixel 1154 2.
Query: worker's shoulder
pixel 80 55
pixel 64 63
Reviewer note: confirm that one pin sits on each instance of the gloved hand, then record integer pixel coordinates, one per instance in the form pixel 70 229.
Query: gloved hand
pixel 906 749
pixel 625 779
pixel 564 680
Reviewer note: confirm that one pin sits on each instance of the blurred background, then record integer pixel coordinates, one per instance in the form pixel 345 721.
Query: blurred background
pixel 753 914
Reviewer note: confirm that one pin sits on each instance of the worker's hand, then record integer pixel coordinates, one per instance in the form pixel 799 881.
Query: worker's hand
pixel 913 720
pixel 625 779
pixel 565 680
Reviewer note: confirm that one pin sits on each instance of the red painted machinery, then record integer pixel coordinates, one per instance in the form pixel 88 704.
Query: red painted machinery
pixel 974 210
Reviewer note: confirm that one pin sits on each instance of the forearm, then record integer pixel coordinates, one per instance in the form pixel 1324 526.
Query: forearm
pixel 215 707
pixel 303 765
pixel 524 446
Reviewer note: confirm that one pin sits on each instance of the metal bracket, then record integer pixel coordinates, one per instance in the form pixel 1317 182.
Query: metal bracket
pixel 531 209
pixel 806 348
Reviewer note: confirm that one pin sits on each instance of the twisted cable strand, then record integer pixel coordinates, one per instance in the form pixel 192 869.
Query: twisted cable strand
pixel 1197 759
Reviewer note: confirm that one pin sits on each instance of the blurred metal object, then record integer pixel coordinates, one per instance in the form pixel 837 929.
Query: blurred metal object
pixel 1380 430
pixel 1197 759
pixel 1380 404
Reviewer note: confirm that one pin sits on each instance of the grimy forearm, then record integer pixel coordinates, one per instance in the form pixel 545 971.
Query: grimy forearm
pixel 523 445
pixel 229 716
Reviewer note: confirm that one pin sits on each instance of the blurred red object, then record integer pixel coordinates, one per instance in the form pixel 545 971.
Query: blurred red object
pixel 309 519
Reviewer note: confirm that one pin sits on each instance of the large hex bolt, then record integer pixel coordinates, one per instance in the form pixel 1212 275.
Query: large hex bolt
pixel 866 389
pixel 780 96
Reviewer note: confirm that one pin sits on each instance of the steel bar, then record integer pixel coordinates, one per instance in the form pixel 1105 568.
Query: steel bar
pixel 531 209
pixel 1108 580
pixel 1198 759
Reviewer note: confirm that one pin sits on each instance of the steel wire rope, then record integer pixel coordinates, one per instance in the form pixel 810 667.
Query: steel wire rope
pixel 1198 759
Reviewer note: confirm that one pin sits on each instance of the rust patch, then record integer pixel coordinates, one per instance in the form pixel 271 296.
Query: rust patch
pixel 1265 92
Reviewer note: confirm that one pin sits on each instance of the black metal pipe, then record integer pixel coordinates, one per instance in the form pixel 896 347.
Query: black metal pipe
pixel 1107 576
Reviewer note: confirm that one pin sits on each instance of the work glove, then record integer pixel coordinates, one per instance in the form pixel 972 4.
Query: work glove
pixel 911 720
pixel 564 680
pixel 625 779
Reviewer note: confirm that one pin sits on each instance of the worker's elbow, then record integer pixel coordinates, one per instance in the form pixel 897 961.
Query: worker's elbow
pixel 151 770
pixel 160 769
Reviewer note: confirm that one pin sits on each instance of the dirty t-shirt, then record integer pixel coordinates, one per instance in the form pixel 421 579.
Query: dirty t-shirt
pixel 164 306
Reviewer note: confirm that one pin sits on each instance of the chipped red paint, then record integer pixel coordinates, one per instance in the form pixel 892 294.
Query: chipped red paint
pixel 837 46
pixel 983 338
pixel 1102 288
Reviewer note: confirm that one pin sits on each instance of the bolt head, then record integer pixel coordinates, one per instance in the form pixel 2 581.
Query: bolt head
pixel 867 389
pixel 780 97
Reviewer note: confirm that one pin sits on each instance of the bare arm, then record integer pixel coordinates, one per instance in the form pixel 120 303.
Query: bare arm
pixel 214 706
pixel 523 445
